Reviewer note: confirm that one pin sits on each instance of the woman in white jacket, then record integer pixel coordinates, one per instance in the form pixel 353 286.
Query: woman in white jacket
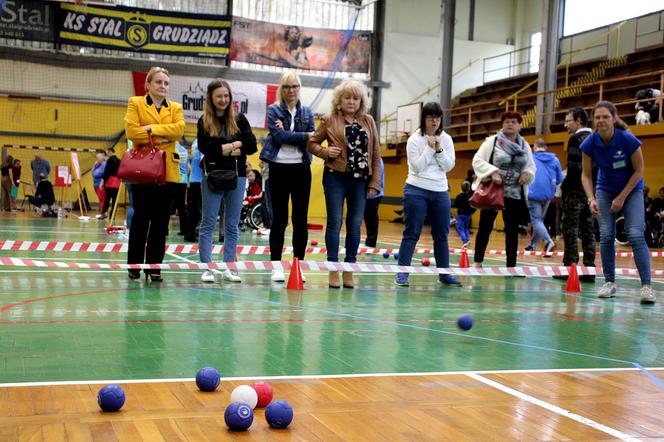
pixel 430 157
pixel 504 158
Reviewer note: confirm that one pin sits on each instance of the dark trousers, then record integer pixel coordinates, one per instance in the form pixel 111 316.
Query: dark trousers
pixel 512 215
pixel 111 196
pixel 149 225
pixel 577 222
pixel 289 182
pixel 266 206
pixel 371 221
pixel 194 201
pixel 179 199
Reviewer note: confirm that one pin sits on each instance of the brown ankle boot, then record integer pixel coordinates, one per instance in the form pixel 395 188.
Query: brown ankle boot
pixel 334 280
pixel 348 280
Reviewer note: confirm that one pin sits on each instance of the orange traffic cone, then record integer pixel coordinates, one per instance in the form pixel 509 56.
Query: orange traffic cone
pixel 295 277
pixel 464 263
pixel 573 285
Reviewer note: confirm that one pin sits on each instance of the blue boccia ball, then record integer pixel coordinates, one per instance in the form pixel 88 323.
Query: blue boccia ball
pixel 207 379
pixel 465 322
pixel 279 414
pixel 238 416
pixel 386 255
pixel 111 397
pixel 396 256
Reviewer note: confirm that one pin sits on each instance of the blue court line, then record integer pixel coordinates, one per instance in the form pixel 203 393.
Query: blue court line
pixel 418 327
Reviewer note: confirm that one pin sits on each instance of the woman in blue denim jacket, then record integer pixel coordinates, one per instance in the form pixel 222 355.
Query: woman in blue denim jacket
pixel 285 149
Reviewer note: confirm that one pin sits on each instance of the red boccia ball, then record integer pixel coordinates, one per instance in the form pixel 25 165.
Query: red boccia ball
pixel 264 392
pixel 426 262
pixel 314 242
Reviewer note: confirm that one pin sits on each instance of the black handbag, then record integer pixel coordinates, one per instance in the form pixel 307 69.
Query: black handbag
pixel 221 180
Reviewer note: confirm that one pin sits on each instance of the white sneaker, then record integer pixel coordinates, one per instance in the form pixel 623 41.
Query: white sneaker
pixel 278 275
pixel 549 248
pixel 647 295
pixel 207 276
pixel 265 231
pixel 304 278
pixel 608 290
pixel 231 275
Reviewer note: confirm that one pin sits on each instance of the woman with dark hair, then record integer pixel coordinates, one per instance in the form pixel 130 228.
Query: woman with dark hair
pixel 619 187
pixel 7 182
pixel 505 158
pixel 224 139
pixel 163 119
pixel 430 156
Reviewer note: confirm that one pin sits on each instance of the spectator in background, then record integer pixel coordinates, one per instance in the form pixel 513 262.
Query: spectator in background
pixel 577 221
pixel 464 213
pixel 254 189
pixel 352 160
pixel 647 201
pixel 39 165
pixel 179 199
pixel 16 175
pixel 285 150
pixel 540 192
pixel 111 182
pixel 371 219
pixel 44 197
pixel 504 158
pixel 618 155
pixel 266 206
pixel 647 111
pixel 194 194
pixel 97 180
pixel 7 182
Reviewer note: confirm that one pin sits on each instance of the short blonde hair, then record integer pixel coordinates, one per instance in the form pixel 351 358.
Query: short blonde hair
pixel 151 73
pixel 350 87
pixel 286 77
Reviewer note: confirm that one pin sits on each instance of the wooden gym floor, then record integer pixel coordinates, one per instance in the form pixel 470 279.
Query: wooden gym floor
pixel 374 363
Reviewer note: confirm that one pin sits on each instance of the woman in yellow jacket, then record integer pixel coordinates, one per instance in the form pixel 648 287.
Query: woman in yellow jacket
pixel 153 114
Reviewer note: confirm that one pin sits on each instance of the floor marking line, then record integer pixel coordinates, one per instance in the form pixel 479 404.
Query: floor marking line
pixel 418 327
pixel 323 376
pixel 553 408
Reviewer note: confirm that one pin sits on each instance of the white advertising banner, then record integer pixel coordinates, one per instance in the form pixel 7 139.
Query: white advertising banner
pixel 248 97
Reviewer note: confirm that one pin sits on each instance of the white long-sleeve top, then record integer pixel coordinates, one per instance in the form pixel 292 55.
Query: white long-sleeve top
pixel 426 168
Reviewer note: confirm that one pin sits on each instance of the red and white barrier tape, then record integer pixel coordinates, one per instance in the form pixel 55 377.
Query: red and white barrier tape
pixel 61 246
pixel 323 266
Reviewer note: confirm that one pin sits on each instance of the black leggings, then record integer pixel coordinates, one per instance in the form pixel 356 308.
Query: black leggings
pixel 512 214
pixel 289 181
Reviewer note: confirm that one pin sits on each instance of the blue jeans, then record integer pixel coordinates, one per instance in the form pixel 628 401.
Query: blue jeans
pixel 634 213
pixel 537 210
pixel 232 200
pixel 340 186
pixel 463 227
pixel 417 203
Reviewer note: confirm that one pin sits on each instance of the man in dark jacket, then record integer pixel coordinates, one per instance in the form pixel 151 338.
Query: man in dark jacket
pixel 44 196
pixel 110 181
pixel 576 217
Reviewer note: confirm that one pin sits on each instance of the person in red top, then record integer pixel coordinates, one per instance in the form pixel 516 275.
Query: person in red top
pixel 254 189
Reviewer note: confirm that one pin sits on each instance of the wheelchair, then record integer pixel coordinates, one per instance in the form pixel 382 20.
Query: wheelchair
pixel 654 236
pixel 251 216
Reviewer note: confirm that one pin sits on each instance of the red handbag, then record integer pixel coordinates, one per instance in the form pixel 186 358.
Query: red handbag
pixel 143 165
pixel 488 195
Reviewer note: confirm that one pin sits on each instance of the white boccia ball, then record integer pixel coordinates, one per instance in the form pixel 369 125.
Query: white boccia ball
pixel 246 394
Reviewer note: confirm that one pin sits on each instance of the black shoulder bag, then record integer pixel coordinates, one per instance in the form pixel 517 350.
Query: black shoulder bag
pixel 220 180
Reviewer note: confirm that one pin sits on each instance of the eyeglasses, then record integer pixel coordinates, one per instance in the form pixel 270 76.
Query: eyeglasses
pixel 292 87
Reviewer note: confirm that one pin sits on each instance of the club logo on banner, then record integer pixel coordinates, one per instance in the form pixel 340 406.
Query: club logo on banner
pixel 298 47
pixel 248 98
pixel 27 20
pixel 144 30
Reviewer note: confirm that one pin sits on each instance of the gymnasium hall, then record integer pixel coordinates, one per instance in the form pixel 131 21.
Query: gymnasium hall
pixel 279 220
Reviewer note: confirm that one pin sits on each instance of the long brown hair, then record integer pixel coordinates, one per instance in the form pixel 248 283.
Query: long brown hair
pixel 210 120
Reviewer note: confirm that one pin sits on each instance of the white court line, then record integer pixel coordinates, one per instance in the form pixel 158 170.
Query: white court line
pixel 553 408
pixel 324 376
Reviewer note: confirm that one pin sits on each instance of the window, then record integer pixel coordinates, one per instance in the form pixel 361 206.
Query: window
pixel 534 53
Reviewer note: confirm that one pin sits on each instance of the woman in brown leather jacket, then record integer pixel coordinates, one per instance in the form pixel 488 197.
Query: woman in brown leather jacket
pixel 351 156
